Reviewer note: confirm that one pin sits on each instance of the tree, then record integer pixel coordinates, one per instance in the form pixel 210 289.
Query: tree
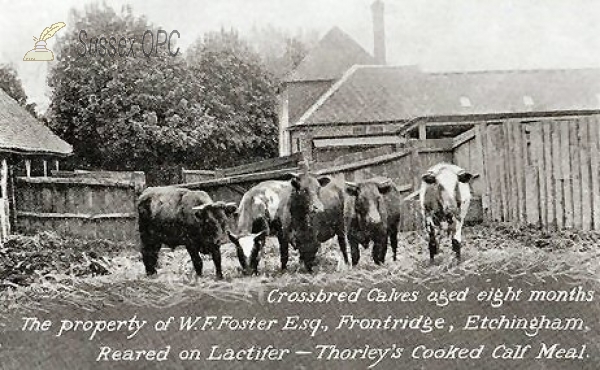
pixel 239 93
pixel 159 112
pixel 11 84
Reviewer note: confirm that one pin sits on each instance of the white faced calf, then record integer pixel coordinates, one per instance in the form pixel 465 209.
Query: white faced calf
pixel 445 196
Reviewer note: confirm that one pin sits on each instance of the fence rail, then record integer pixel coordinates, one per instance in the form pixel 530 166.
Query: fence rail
pixel 543 172
pixel 94 206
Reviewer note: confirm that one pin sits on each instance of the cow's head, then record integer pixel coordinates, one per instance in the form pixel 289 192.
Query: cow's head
pixel 305 197
pixel 442 194
pixel 214 220
pixel 369 204
pixel 248 248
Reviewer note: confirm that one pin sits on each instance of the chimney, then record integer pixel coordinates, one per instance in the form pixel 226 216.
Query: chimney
pixel 378 32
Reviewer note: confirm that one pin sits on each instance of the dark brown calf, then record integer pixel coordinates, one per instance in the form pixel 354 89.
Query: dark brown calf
pixel 312 213
pixel 372 213
pixel 176 216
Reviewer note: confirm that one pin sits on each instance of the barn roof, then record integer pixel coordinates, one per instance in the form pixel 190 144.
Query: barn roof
pixel 330 58
pixel 20 132
pixel 383 93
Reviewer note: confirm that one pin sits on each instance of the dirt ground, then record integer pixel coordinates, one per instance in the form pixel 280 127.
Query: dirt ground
pixel 499 257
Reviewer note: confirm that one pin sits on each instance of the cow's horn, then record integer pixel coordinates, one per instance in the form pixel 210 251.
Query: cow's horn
pixel 199 208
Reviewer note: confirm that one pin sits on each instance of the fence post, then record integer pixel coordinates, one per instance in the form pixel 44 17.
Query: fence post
pixel 4 209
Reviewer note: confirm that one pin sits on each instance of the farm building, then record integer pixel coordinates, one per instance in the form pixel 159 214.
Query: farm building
pixel 345 100
pixel 530 135
pixel 23 141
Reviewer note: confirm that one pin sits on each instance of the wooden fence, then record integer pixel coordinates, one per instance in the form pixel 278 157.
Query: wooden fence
pixel 404 167
pixel 92 207
pixel 541 172
pixel 4 202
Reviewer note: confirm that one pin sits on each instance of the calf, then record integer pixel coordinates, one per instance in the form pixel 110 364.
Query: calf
pixel 312 213
pixel 445 195
pixel 176 216
pixel 257 219
pixel 372 213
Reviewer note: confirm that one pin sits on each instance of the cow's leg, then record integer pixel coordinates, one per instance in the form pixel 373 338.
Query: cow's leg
pixel 196 259
pixel 379 247
pixel 216 257
pixel 433 242
pixel 384 247
pixel 284 249
pixel 150 250
pixel 393 233
pixel 343 246
pixel 354 251
pixel 457 239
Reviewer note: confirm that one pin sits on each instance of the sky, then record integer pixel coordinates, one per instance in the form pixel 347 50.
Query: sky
pixel 437 35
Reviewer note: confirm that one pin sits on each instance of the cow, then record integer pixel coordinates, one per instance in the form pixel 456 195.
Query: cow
pixel 176 216
pixel 257 219
pixel 444 196
pixel 372 213
pixel 312 213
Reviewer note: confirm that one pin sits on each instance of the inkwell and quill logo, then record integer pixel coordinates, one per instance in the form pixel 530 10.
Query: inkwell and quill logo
pixel 40 52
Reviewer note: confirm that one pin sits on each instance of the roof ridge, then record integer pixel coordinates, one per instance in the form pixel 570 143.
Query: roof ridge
pixel 510 71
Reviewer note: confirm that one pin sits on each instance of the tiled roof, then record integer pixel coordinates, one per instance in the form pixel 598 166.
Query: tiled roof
pixel 21 132
pixel 330 58
pixel 382 93
pixel 301 95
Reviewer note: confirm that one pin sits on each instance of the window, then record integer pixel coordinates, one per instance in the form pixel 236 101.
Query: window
pixel 375 129
pixel 359 130
pixel 297 144
pixel 465 101
pixel 528 100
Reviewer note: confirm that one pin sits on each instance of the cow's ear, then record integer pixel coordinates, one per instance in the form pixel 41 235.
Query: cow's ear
pixel 261 237
pixel 324 180
pixel 429 178
pixel 385 187
pixel 288 176
pixel 352 188
pixel 234 239
pixel 465 177
pixel 198 210
pixel 230 209
pixel 296 182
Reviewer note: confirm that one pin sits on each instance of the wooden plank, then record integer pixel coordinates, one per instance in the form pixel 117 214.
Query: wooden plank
pixel 557 175
pixel 565 158
pixel 480 139
pixel 75 215
pixel 4 207
pixel 538 146
pixel 463 138
pixel 532 184
pixel 75 180
pixel 548 176
pixel 585 179
pixel 500 143
pixel 513 201
pixel 495 182
pixel 574 143
pixel 520 170
pixel 594 170
pixel 495 163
